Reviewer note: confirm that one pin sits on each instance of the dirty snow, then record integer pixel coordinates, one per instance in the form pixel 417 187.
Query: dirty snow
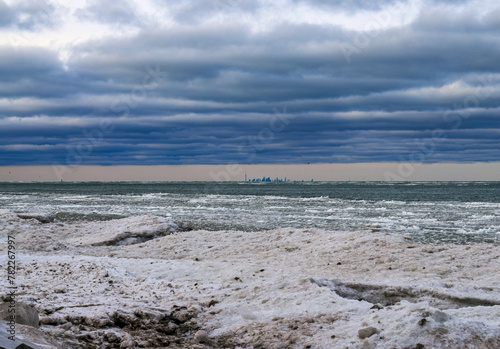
pixel 106 282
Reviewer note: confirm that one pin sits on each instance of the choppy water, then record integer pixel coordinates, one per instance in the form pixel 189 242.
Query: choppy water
pixel 427 212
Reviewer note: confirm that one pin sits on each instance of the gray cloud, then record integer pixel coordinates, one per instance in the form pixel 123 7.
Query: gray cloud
pixel 199 10
pixel 28 14
pixel 109 12
pixel 5 15
pixel 349 5
pixel 199 92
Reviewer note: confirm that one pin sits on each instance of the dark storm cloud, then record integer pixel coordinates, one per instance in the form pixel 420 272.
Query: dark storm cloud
pixel 206 93
pixel 35 72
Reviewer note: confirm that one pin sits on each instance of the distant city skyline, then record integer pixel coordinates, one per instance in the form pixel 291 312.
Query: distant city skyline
pixel 268 179
pixel 318 172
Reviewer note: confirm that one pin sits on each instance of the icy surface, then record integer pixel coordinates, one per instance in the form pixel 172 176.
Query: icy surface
pixel 285 288
pixel 125 231
pixel 426 212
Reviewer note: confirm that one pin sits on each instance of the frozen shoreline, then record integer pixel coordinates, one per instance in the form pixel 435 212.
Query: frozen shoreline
pixel 286 288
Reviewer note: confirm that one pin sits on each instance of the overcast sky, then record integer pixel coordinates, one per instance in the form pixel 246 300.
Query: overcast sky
pixel 160 82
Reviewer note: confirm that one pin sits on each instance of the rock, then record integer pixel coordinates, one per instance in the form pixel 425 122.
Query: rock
pixel 367 332
pixel 127 342
pixel 69 334
pixel 368 345
pixel 24 314
pixel 151 314
pixel 32 338
pixel 53 320
pixel 183 314
pixel 201 337
pixel 41 217
pixel 441 330
pixel 66 326
pixel 112 337
pixel 170 328
pixel 440 316
pixel 25 346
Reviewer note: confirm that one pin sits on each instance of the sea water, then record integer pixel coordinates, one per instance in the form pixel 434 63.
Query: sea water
pixel 426 212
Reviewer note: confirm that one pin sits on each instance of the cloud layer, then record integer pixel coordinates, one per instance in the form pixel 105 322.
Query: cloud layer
pixel 209 82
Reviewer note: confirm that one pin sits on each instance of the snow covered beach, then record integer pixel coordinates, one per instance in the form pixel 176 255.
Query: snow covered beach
pixel 148 282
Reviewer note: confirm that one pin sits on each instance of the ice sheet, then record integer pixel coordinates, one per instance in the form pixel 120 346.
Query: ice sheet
pixel 285 288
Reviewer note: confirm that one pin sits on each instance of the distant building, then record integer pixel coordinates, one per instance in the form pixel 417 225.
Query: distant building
pixel 265 179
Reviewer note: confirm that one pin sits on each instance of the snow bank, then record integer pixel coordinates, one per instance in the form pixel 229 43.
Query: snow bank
pixel 284 288
pixel 125 231
pixel 41 217
pixel 32 235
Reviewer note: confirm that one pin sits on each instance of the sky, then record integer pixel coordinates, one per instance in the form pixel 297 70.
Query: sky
pixel 216 82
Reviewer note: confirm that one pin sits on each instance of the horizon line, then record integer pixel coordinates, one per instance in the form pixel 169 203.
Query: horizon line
pixel 354 172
